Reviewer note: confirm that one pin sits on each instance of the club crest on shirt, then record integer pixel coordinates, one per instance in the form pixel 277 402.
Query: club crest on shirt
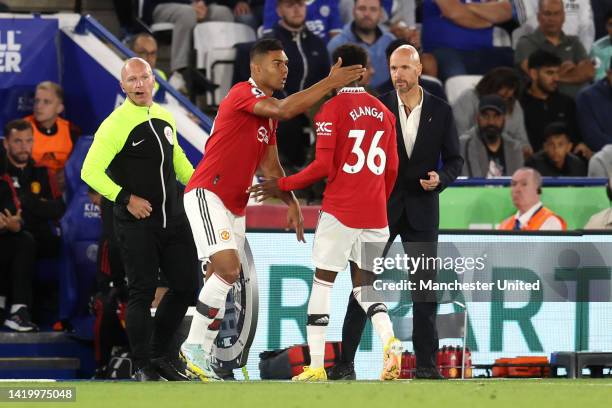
pixel 257 92
pixel 225 235
pixel 262 135
pixel 35 187
pixel 169 133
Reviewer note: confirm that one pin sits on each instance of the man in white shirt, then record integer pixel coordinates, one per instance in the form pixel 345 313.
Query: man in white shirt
pixel 526 188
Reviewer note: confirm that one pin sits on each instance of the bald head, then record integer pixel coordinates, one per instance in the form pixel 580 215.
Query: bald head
pixel 405 68
pixel 137 81
pixel 408 52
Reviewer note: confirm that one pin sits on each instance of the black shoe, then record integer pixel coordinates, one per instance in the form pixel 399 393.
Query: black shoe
pixel 428 374
pixel 20 321
pixel 167 370
pixel 341 371
pixel 148 373
pixel 224 373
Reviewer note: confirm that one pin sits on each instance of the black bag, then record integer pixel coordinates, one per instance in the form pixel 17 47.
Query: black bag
pixel 286 363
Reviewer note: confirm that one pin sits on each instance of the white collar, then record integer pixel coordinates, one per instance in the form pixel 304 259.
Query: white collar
pixel 524 219
pixel 352 89
pixel 419 105
pixel 252 82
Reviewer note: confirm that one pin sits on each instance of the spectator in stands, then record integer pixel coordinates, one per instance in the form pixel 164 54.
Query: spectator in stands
pixel 531 215
pixel 249 12
pixel 557 159
pixel 54 136
pixel 485 150
pixel 600 164
pixel 4 8
pixel 322 18
pixel 594 111
pixel 603 219
pixel 602 50
pixel 41 204
pixel 184 14
pixel 308 64
pixel 460 35
pixel 144 46
pixel 576 69
pixel 600 10
pixel 578 18
pixel 366 31
pixel 543 104
pixel 16 261
pixel 431 85
pixel 502 81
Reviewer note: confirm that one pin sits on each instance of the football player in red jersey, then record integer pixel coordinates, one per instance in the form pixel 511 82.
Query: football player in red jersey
pixel 357 152
pixel 243 138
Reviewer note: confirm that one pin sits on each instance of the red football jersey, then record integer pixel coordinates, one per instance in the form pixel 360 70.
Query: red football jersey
pixel 237 143
pixel 361 130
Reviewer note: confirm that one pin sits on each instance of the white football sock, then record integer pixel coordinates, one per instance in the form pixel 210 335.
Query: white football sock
pixel 318 319
pixel 212 302
pixel 380 321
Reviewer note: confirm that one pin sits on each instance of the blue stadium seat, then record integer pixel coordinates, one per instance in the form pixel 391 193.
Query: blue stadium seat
pixel 81 227
pixel 74 184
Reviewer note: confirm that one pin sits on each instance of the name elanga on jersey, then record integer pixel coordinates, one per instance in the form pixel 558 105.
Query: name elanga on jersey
pixel 366 111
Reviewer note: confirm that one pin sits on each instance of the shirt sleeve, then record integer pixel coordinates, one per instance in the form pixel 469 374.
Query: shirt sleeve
pixel 326 128
pixel 269 16
pixel 106 144
pixel 580 53
pixel 335 23
pixel 182 166
pixel 247 97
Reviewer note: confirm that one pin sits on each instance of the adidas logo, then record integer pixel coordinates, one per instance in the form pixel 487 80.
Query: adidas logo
pixel 322 321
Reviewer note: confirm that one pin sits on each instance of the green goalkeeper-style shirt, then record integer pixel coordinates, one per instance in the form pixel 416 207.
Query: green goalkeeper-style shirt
pixel 135 151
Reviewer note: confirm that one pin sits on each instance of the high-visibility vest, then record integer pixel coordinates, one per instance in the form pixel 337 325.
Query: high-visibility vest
pixel 51 151
pixel 535 222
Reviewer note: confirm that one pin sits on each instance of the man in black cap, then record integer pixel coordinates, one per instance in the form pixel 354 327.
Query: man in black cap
pixel 485 151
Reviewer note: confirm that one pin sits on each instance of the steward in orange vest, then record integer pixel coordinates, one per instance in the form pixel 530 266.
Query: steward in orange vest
pixel 534 222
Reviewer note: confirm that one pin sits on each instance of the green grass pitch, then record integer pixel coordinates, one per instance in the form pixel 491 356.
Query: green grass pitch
pixel 368 394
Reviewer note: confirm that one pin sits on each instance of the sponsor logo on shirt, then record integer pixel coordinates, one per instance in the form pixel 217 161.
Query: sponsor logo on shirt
pixel 90 210
pixel 225 235
pixel 262 135
pixel 324 128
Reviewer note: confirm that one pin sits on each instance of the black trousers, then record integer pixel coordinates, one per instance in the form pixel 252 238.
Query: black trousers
pixel 145 250
pixel 424 332
pixel 17 261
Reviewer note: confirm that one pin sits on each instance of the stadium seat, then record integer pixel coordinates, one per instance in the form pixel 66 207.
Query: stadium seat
pixel 214 44
pixel 81 227
pixel 449 325
pixel 72 171
pixel 456 85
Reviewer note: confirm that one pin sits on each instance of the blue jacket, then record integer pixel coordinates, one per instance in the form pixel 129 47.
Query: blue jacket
pixel 594 108
pixel 377 51
pixel 322 17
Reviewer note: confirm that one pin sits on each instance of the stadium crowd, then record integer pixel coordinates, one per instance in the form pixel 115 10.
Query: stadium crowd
pixel 529 83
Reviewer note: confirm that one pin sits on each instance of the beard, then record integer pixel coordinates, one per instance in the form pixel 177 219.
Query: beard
pixel 21 158
pixel 490 134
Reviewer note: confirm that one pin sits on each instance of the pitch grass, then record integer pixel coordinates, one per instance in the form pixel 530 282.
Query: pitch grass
pixel 367 394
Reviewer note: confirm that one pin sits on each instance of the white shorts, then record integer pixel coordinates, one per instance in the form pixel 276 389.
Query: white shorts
pixel 335 244
pixel 214 227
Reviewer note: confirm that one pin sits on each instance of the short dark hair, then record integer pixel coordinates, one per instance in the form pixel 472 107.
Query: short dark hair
pixel 496 79
pixel 351 54
pixel 132 41
pixel 394 45
pixel 16 124
pixel 264 46
pixel 543 59
pixel 556 129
